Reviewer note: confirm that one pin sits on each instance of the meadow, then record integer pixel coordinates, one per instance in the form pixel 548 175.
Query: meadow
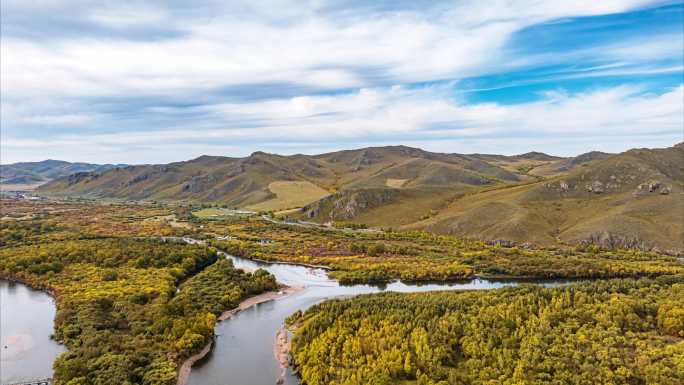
pixel 290 194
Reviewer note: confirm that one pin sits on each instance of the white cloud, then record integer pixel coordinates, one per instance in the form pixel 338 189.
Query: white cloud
pixel 128 16
pixel 235 47
pixel 417 117
pixel 59 120
pixel 74 80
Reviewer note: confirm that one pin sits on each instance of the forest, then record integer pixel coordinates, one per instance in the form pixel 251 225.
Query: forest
pixel 622 331
pixel 130 310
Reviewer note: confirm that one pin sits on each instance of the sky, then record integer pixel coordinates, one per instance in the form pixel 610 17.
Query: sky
pixel 156 82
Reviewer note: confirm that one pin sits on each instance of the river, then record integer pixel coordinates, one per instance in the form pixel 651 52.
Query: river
pixel 243 353
pixel 26 320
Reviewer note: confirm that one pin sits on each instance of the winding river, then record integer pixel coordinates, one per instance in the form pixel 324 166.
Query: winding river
pixel 244 350
pixel 26 319
pixel 244 354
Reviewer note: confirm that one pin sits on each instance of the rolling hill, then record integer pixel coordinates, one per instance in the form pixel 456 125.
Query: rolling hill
pixel 630 199
pixel 275 182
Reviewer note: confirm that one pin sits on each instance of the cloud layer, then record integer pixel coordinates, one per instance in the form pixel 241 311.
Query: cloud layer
pixel 604 119
pixel 86 81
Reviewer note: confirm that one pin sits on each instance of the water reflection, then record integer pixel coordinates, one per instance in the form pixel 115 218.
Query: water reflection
pixel 26 323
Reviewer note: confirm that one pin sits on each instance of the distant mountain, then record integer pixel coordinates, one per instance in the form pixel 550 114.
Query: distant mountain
pixel 35 173
pixel 529 156
pixel 564 165
pixel 628 199
pixel 537 156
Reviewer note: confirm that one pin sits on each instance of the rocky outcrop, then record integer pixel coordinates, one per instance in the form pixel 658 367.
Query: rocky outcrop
pixel 595 187
pixel 347 205
pixel 652 187
pixel 199 183
pixel 560 186
pixel 81 177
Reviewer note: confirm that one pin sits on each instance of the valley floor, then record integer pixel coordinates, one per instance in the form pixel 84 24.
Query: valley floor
pixel 134 301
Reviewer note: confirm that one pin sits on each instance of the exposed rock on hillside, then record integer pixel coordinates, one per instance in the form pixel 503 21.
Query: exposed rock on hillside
pixel 81 177
pixel 596 187
pixel 631 199
pixel 347 205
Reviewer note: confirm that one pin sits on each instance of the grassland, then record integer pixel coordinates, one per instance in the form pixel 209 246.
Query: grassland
pixel 20 186
pixel 562 210
pixel 290 194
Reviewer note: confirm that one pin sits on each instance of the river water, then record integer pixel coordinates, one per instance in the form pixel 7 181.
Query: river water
pixel 243 353
pixel 26 323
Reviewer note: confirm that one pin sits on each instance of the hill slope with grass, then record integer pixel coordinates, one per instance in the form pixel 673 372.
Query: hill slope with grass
pixel 264 181
pixel 633 199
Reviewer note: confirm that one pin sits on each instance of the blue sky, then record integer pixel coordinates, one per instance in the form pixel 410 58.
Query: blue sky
pixel 153 82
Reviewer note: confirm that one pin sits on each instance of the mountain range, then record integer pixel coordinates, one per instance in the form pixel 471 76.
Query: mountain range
pixel 628 199
pixel 32 174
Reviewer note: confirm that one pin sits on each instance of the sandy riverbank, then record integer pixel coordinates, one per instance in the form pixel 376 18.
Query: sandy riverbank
pixel 186 367
pixel 281 350
pixel 261 298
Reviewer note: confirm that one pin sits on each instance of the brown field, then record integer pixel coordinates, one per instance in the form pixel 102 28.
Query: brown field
pixel 396 183
pixel 289 195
